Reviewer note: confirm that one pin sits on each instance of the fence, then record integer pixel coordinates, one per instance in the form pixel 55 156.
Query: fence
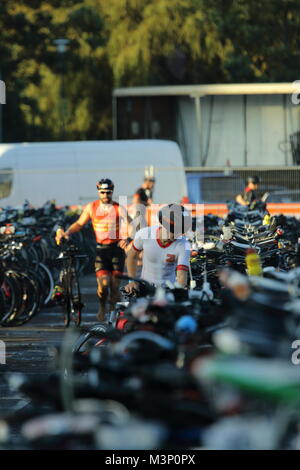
pixel 224 183
pixel 218 184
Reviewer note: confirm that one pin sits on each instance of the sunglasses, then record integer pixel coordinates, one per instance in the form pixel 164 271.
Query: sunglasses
pixel 104 192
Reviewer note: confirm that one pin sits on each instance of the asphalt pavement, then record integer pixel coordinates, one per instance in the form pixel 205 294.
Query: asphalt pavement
pixel 30 349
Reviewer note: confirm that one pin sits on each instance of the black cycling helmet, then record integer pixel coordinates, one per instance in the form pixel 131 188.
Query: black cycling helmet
pixel 253 179
pixel 105 183
pixel 175 219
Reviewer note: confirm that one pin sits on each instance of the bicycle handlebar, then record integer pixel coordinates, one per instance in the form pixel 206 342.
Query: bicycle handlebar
pixel 146 335
pixel 133 279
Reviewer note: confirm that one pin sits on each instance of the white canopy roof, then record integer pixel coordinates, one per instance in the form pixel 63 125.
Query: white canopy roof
pixel 215 89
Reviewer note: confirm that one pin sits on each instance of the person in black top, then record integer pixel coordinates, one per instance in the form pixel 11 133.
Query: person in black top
pixel 141 200
pixel 249 195
pixel 143 195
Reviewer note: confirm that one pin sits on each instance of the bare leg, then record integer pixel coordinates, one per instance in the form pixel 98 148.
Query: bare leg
pixel 102 291
pixel 114 292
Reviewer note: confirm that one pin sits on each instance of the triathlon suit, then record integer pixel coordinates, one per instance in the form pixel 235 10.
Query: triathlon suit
pixel 105 218
pixel 144 195
pixel 160 262
pixel 249 195
pixel 139 210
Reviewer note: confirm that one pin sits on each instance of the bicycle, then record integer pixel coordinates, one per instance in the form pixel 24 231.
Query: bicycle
pixel 102 333
pixel 70 295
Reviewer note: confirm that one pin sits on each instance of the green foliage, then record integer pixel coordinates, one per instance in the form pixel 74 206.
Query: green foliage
pixel 45 87
pixel 131 43
pixel 145 37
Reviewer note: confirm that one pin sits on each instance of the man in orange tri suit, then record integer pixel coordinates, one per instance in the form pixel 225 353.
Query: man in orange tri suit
pixel 105 215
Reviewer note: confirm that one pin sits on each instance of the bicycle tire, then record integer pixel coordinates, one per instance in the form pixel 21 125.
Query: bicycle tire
pixel 96 333
pixel 12 298
pixel 75 299
pixel 30 298
pixel 46 280
pixel 65 300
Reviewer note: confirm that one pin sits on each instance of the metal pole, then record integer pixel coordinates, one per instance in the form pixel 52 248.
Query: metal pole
pixel 198 124
pixel 285 129
pixel 1 124
pixel 1 117
pixel 62 98
pixel 115 118
pixel 61 45
pixel 245 131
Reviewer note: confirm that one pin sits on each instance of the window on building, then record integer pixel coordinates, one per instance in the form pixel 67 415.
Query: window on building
pixel 6 181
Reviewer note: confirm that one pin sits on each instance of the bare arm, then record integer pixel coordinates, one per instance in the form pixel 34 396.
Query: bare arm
pixel 131 262
pixel 80 222
pixel 76 227
pixel 129 226
pixel 183 262
pixel 181 278
pixel 136 199
pixel 132 259
pixel 241 200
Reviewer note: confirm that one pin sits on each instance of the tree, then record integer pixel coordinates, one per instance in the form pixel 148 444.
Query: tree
pixel 144 37
pixel 132 43
pixel 32 70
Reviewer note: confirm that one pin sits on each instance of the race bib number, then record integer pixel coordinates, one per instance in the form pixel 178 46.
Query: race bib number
pixel 170 258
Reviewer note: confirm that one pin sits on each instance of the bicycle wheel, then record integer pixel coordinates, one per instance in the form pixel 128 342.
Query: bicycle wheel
pixel 12 299
pixel 75 299
pixel 31 298
pixel 94 336
pixel 46 280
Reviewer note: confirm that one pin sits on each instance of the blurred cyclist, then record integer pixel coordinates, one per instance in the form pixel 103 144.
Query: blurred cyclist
pixel 166 252
pixel 105 215
pixel 144 194
pixel 142 200
pixel 249 196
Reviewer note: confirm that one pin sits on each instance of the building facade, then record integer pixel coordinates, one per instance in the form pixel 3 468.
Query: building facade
pixel 244 125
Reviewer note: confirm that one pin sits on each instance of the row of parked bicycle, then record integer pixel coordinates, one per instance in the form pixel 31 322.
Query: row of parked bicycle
pixel 214 366
pixel 29 267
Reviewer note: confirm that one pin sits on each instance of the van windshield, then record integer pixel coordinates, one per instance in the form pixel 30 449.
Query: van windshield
pixel 6 181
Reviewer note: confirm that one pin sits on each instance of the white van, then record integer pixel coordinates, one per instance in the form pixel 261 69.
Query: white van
pixel 68 171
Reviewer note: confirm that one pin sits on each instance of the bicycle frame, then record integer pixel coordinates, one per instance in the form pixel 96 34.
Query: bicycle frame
pixel 71 301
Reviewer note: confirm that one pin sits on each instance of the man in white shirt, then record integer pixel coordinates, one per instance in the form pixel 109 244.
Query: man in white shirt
pixel 166 252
